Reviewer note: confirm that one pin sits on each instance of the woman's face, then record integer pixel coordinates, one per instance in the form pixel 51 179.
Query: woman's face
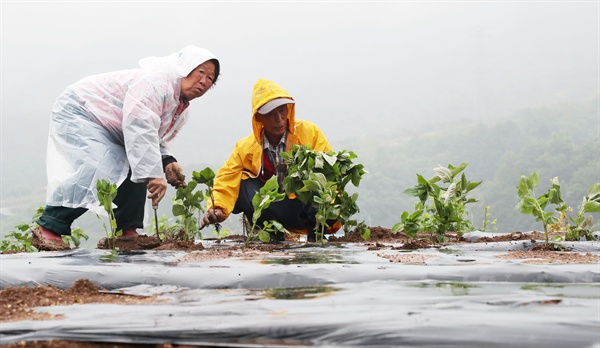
pixel 198 81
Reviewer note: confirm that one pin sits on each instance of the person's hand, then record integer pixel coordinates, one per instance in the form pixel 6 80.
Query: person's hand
pixel 157 188
pixel 213 215
pixel 174 174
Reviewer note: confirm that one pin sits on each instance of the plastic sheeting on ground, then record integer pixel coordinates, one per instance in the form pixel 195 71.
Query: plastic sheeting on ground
pixel 459 297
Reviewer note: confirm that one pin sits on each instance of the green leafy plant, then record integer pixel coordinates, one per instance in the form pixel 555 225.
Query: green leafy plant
pixel 487 225
pixel 267 194
pixel 270 227
pixel 320 178
pixel 74 239
pixel 410 223
pixel 187 201
pixel 582 225
pixel 578 227
pixel 529 204
pixel 447 210
pixel 207 177
pixel 220 234
pixel 107 192
pixel 19 239
pixel 169 230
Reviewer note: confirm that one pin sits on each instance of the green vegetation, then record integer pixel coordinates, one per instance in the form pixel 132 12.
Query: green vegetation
pixel 19 239
pixel 74 239
pixel 498 152
pixel 581 224
pixel 447 210
pixel 267 194
pixel 320 179
pixel 170 230
pixel 207 177
pixel 487 225
pixel 107 192
pixel 581 227
pixel 187 202
pixel 529 204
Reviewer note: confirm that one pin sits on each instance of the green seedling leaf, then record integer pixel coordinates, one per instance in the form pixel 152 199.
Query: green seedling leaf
pixel 320 179
pixel 268 194
pixel 107 192
pixel 205 176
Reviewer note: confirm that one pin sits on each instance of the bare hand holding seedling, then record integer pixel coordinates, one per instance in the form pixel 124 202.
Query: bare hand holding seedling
pixel 212 216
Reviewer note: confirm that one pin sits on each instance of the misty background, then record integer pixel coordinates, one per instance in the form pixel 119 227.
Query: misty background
pixel 509 87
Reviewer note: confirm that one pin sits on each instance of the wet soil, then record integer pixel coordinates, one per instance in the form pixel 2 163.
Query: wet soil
pixel 16 303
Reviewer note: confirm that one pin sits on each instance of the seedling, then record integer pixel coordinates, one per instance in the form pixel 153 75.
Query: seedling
pixel 107 192
pixel 448 204
pixel 207 177
pixel 580 226
pixel 223 233
pixel 74 239
pixel 187 202
pixel 169 231
pixel 320 178
pixel 270 227
pixel 536 206
pixel 20 238
pixel 267 194
pixel 487 225
pixel 411 223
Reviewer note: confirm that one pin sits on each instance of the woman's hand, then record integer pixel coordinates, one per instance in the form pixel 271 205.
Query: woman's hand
pixel 174 174
pixel 157 188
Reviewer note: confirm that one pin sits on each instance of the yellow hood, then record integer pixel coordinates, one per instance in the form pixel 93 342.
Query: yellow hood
pixel 264 91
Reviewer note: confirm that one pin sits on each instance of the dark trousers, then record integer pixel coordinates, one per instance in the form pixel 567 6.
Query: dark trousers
pixel 291 213
pixel 129 213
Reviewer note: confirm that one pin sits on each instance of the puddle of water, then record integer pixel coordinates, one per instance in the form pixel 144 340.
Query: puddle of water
pixel 585 291
pixel 300 293
pixel 307 258
pixel 451 251
pixel 447 288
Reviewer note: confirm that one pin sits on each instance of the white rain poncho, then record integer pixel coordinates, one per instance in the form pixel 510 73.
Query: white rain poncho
pixel 104 125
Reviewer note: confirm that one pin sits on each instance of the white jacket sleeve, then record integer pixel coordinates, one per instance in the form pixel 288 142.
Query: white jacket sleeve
pixel 142 109
pixel 164 149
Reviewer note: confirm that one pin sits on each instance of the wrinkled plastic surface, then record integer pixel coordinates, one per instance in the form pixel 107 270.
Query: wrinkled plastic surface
pixel 459 297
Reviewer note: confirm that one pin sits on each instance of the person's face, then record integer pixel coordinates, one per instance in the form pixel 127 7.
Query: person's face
pixel 198 81
pixel 274 122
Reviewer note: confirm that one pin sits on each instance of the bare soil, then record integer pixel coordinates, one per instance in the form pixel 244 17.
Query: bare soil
pixel 16 303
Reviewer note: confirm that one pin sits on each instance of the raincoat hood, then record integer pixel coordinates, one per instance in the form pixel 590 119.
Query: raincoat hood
pixel 264 91
pixel 181 63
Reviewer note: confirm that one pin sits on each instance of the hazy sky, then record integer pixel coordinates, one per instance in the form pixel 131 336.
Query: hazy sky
pixel 353 67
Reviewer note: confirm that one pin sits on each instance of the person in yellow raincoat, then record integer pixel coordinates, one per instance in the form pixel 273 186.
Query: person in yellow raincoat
pixel 256 158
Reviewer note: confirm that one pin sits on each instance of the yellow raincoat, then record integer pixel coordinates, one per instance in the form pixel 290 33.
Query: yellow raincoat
pixel 246 159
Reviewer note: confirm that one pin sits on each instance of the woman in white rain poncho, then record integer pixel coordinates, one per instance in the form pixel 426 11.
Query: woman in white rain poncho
pixel 116 126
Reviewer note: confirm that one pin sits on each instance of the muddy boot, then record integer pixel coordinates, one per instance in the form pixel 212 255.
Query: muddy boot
pixel 44 239
pixel 129 233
